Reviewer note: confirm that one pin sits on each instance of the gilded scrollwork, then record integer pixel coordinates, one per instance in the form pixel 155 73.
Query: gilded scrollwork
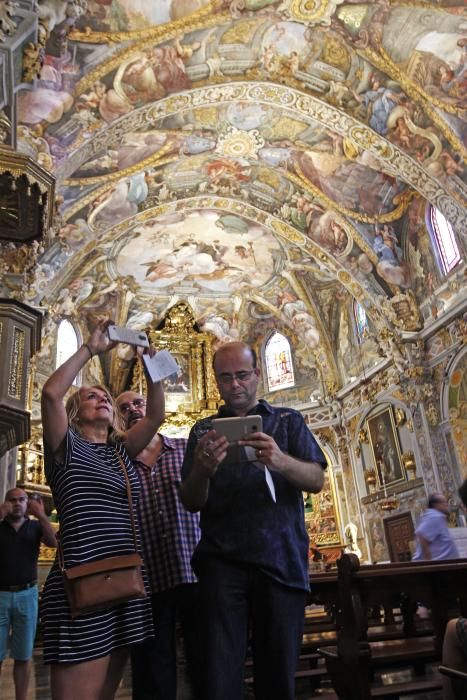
pixel 16 373
pixel 8 22
pixel 32 62
pixel 157 33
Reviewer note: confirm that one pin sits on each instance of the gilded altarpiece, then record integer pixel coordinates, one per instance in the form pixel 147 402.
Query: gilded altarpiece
pixel 322 515
pixel 190 394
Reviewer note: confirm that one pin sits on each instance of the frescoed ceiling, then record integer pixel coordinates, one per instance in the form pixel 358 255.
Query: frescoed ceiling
pixel 268 162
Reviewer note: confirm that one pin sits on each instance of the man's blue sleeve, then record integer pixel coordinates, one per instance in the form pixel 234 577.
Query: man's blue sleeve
pixel 302 443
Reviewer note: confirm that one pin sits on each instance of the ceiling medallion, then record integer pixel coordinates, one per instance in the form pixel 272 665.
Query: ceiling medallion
pixel 240 144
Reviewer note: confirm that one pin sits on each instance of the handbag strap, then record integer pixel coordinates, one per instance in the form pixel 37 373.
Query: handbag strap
pixel 130 500
pixel 61 560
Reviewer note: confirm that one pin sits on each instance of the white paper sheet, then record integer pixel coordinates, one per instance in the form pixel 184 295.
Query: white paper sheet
pixel 160 365
pixel 268 478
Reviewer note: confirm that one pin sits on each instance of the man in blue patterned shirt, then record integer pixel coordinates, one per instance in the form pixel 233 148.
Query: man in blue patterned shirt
pixel 169 536
pixel 252 559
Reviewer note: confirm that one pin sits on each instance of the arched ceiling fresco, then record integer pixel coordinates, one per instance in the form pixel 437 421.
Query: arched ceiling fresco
pixel 268 162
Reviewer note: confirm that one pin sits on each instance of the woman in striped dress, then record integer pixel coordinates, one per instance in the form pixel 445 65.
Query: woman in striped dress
pixel 82 447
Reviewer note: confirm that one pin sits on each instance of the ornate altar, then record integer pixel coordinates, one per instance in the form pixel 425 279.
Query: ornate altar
pixel 323 522
pixel 192 393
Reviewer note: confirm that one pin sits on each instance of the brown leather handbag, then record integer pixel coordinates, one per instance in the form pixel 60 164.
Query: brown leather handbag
pixel 102 584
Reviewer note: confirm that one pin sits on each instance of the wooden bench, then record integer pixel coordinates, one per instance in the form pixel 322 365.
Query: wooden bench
pixel 351 662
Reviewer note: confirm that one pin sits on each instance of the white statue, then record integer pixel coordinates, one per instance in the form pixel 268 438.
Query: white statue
pixel 351 531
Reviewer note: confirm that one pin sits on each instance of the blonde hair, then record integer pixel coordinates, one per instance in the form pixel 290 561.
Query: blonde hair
pixel 72 409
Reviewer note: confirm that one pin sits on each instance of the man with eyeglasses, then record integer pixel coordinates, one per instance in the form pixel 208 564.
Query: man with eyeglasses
pixel 20 539
pixel 169 535
pixel 252 559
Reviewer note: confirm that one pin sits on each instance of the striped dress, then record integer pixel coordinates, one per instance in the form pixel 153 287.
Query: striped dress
pixel 90 495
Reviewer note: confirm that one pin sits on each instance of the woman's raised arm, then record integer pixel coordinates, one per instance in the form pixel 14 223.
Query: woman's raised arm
pixel 142 432
pixel 54 417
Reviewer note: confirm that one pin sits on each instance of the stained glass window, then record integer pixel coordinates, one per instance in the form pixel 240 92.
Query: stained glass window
pixel 279 366
pixel 67 344
pixel 361 321
pixel 444 239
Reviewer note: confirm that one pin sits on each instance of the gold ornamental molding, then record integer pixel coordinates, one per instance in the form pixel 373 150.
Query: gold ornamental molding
pixel 311 109
pixel 27 195
pixel 157 35
pixel 154 34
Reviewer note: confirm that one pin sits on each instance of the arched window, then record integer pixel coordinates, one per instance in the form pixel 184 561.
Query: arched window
pixel 279 366
pixel 67 343
pixel 361 321
pixel 444 240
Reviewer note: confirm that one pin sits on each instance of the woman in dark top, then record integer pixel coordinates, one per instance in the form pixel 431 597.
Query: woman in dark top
pixel 82 447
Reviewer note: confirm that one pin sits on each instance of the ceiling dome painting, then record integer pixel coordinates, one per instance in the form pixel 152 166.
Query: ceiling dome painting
pixel 267 162
pixel 202 250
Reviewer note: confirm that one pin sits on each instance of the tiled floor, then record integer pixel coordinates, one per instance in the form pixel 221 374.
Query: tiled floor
pixel 39 687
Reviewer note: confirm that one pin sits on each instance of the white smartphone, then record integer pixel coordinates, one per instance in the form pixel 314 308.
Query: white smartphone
pixel 237 427
pixel 126 335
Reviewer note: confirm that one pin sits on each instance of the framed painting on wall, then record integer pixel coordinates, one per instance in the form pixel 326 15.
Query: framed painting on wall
pixel 385 447
pixel 178 386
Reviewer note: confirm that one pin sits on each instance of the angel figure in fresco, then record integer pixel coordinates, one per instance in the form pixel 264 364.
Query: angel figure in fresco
pixel 298 318
pixel 449 81
pixel 267 59
pixel 54 12
pixel 159 269
pixel 379 102
pixel 146 77
pixel 391 265
pixel 42 104
pixel 445 166
pixel 114 205
pixel 221 172
pixel 220 327
pixel 330 233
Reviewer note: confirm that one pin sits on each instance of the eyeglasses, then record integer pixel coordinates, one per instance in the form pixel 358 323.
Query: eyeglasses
pixel 126 407
pixel 241 376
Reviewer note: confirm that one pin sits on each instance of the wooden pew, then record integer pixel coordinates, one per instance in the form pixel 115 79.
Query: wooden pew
pixel 458 681
pixel 441 586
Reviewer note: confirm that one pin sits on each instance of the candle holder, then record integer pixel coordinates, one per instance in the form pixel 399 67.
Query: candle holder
pixel 408 460
pixel 389 503
pixel 370 478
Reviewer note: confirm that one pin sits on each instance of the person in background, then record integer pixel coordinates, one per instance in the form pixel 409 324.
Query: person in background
pixel 252 558
pixel 169 535
pixel 20 539
pixel 84 451
pixel 455 642
pixel 432 532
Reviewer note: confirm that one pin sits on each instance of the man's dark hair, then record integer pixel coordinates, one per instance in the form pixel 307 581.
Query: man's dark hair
pixel 434 499
pixel 463 493
pixel 254 357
